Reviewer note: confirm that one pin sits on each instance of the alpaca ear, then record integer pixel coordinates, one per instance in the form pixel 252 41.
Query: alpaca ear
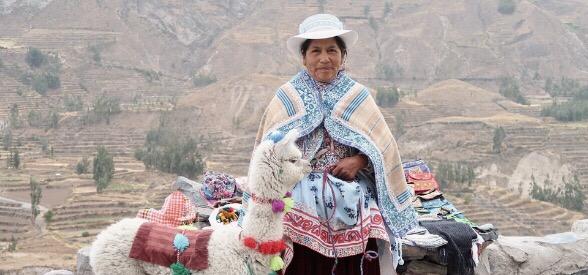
pixel 291 136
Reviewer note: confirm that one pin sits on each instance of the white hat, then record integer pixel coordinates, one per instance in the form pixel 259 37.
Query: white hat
pixel 320 26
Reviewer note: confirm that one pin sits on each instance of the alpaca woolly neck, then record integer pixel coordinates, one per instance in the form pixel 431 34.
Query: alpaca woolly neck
pixel 262 223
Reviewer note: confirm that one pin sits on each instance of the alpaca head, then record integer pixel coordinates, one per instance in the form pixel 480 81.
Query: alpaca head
pixel 276 166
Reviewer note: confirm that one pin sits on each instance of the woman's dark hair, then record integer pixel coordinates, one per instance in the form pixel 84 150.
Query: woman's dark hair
pixel 338 40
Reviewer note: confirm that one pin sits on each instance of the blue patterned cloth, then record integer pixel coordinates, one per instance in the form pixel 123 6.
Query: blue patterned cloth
pixel 342 199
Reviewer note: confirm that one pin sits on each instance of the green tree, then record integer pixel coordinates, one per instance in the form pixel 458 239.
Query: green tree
pixel 387 97
pixel 35 58
pixel 34 118
pixel 509 88
pixel 13 159
pixel 6 138
pixel 387 9
pixel 53 119
pixel 499 136
pixel 14 116
pixel 104 107
pixel 36 194
pixel 46 81
pixel 103 169
pixel 168 151
pixel 12 244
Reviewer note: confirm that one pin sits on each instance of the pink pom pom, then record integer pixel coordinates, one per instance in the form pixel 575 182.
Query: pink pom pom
pixel 277 206
pixel 288 194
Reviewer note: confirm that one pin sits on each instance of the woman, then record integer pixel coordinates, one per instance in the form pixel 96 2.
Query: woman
pixel 355 204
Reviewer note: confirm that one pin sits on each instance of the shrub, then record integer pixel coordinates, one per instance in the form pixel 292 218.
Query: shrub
pixel 35 58
pixel 168 151
pixel 45 81
pixel 73 103
pixel 506 6
pixel 509 88
pixel 85 234
pixel 82 167
pixel 387 97
pixel 34 118
pixel 103 108
pixel 48 216
pixel 200 80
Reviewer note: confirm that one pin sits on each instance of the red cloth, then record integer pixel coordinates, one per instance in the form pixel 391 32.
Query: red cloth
pixel 176 209
pixel 154 244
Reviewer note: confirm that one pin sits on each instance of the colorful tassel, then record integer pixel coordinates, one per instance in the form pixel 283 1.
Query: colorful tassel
pixel 288 204
pixel 181 242
pixel 276 263
pixel 179 269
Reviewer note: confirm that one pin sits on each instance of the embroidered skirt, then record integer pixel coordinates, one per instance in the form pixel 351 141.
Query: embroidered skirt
pixel 350 209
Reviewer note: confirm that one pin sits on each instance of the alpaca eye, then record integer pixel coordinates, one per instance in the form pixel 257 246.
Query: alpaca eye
pixel 293 160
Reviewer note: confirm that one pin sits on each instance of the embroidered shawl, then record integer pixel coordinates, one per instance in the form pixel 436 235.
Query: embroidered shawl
pixel 351 116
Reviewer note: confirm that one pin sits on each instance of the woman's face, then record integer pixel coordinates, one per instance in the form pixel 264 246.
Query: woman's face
pixel 323 59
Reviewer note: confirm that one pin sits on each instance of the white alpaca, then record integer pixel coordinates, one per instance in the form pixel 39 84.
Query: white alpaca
pixel 275 168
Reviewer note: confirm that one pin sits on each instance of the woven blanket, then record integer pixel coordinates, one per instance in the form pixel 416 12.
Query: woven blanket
pixel 154 244
pixel 457 253
pixel 351 117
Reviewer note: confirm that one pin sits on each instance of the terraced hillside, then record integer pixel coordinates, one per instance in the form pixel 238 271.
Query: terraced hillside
pixel 509 213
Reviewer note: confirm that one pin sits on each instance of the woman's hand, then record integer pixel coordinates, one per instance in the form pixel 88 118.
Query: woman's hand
pixel 347 168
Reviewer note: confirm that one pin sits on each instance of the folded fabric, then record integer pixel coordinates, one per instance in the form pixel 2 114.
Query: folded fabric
pixel 176 210
pixel 424 240
pixel 417 230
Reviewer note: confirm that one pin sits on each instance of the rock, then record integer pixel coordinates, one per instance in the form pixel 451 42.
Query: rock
pixel 563 253
pixel 59 272
pixel 83 262
pixel 580 227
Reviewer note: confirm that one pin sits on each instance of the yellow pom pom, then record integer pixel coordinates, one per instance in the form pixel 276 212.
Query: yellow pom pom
pixel 288 204
pixel 276 263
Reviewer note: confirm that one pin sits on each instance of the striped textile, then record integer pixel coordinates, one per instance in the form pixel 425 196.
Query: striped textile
pixel 351 116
